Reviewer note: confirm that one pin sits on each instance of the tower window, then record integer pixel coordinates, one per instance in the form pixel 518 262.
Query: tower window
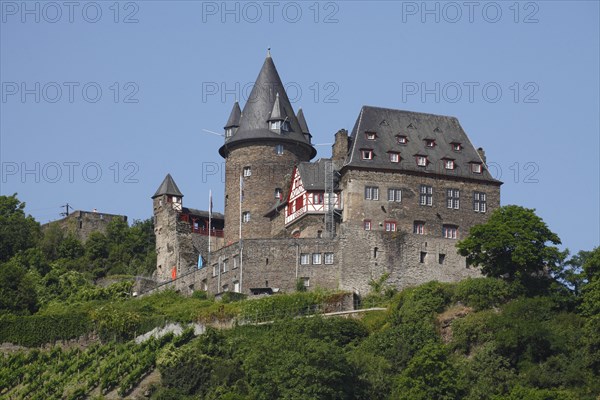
pixel 279 149
pixel 366 154
pixel 247 171
pixel 328 258
pixel 371 193
pixel 246 216
pixel 304 258
pixel 278 193
pixel 316 258
pixel 228 132
pixel 275 125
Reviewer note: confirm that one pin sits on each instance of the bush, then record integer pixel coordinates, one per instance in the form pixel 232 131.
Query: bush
pixel 483 293
pixel 36 330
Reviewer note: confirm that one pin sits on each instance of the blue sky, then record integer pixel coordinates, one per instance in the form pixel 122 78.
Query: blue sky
pixel 100 100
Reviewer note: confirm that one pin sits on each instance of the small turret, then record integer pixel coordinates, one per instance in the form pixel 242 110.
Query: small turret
pixel 304 125
pixel 278 120
pixel 234 121
pixel 168 193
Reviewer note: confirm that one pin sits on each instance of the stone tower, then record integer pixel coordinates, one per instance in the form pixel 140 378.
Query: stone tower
pixel 262 144
pixel 166 202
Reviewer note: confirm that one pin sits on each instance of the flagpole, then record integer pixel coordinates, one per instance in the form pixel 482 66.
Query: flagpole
pixel 240 235
pixel 209 219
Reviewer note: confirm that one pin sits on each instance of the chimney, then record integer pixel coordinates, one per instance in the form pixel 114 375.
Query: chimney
pixel 482 154
pixel 339 150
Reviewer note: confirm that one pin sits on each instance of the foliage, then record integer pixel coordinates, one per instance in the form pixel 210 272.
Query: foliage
pixel 484 293
pixel 512 244
pixel 35 330
pixel 17 289
pixel 18 232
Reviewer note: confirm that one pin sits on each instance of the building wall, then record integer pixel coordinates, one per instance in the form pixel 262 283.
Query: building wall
pixel 269 171
pixel 83 223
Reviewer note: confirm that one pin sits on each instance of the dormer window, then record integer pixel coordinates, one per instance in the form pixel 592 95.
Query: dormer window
pixel 229 132
pixel 366 154
pixel 285 126
pixel 429 143
pixel 476 168
pixel 456 146
pixel 401 139
pixel 371 135
pixel 275 125
pixel 394 157
pixel 422 161
pixel 449 164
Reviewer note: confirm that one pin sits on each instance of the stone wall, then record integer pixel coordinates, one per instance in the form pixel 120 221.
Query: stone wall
pixel 83 223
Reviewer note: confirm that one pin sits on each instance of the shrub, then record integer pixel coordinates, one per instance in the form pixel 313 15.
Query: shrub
pixel 483 293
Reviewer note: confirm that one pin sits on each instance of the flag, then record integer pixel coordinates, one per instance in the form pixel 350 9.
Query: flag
pixel 210 206
pixel 174 273
pixel 200 261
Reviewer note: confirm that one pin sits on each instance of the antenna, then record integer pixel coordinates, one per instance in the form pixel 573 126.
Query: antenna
pixel 66 207
pixel 214 133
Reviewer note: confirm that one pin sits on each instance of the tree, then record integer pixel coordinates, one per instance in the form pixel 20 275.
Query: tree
pixel 512 244
pixel 17 289
pixel 17 231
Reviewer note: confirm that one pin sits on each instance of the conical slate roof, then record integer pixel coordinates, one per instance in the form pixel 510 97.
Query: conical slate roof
pixel 234 117
pixel 278 112
pixel 168 187
pixel 254 120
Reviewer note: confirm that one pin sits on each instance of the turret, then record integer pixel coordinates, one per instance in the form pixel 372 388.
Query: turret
pixel 304 125
pixel 168 194
pixel 234 121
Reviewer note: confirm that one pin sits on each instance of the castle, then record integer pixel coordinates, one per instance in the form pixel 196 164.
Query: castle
pixel 395 196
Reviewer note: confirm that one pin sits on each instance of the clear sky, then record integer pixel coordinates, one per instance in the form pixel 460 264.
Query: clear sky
pixel 100 100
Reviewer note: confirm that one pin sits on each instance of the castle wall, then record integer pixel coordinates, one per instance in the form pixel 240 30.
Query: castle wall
pixel 83 223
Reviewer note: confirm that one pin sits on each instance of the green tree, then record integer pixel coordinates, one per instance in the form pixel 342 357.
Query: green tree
pixel 17 289
pixel 512 244
pixel 17 231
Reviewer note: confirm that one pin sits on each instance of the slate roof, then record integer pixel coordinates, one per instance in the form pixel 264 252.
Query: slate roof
pixel 202 213
pixel 234 117
pixel 313 174
pixel 168 187
pixel 253 123
pixel 389 123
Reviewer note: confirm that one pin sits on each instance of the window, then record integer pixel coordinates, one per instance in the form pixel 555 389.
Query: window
pixel 236 286
pixel 235 261
pixel 246 216
pixel 422 257
pixel 328 258
pixel 371 135
pixel 228 132
pixel 419 227
pixel 426 195
pixel 304 258
pixel 479 202
pixel 247 171
pixel 367 224
pixel 450 231
pixel 449 164
pixel 279 149
pixel 204 285
pixel 285 126
pixel 476 168
pixel 278 193
pixel 456 146
pixel 371 193
pixel 317 198
pixel 214 272
pixel 390 226
pixel 394 157
pixel 366 154
pixel 453 198
pixel 441 258
pixel 395 195
pixel 401 139
pixel 225 266
pixel 316 258
pixel 226 288
pixel 306 281
pixel 275 125
pixel 422 161
pixel 430 143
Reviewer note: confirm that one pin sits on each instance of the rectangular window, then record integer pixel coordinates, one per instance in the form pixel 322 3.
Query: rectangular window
pixel 456 147
pixel 317 198
pixel 395 195
pixel 402 139
pixel 235 261
pixel 304 258
pixel 449 164
pixel 328 258
pixel 225 266
pixel 316 258
pixel 247 171
pixel 419 227
pixel 246 216
pixel 450 231
pixel 394 157
pixel 214 272
pixel 429 142
pixel 479 202
pixel 371 193
pixel 278 193
pixel 390 226
pixel 367 224
pixel 366 154
pixel 421 161
pixel 279 149
pixel 426 195
pixel 236 286
pixel 422 257
pixel 453 198
pixel 306 281
pixel 476 168
pixel 204 285
pixel 371 135
pixel 441 258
